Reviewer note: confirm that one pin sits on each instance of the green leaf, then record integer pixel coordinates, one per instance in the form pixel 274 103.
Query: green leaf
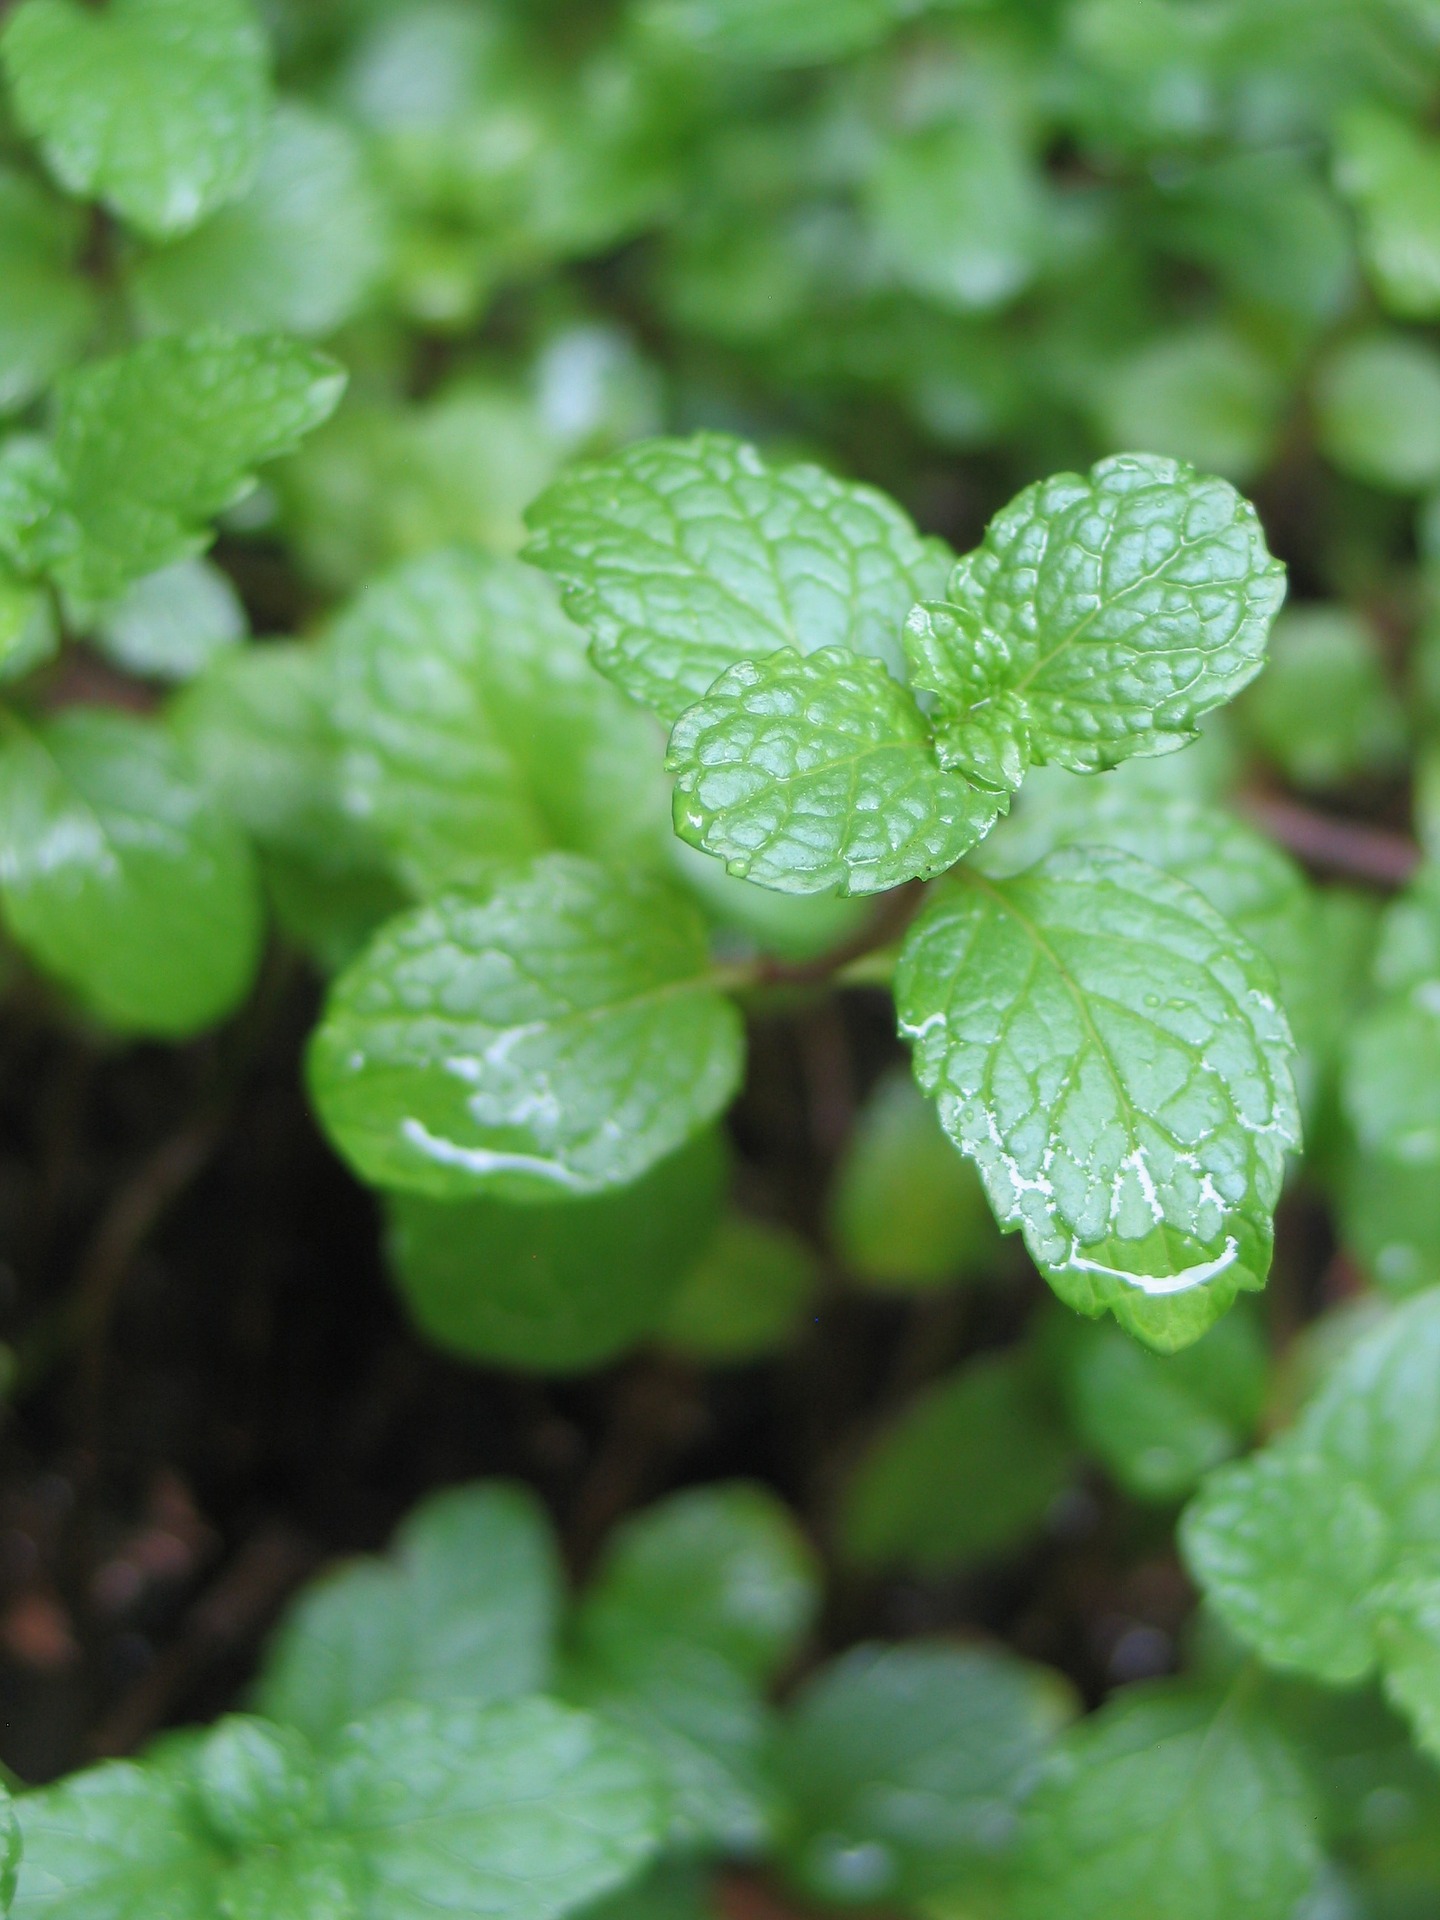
pixel 475 731
pixel 556 1035
pixel 28 633
pixel 1390 1220
pixel 808 773
pixel 1392 1078
pixel 299 254
pixel 1160 1422
pixel 257 1785
pixel 723 1568
pixel 520 1811
pixel 1108 1051
pixel 556 1289
pixel 970 1470
pixel 172 623
pixel 683 557
pixel 119 876
pixel 774 33
pixel 742 1299
pixel 1102 617
pixel 46 308
pixel 905 1768
pixel 151 444
pixel 156 107
pixel 1377 411
pixel 1169 1803
pixel 1323 710
pixel 9 1850
pixel 1205 395
pixel 119 1842
pixel 1390 172
pixel 1322 1551
pixel 907 1212
pixel 465 1607
pixel 675 1890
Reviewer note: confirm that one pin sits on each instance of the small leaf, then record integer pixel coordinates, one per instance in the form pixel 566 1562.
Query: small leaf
pixel 742 1298
pixel 558 1035
pixel 120 876
pixel 46 307
pixel 1390 172
pixel 1391 1082
pixel 1108 1051
pixel 257 1785
pixel 1102 617
pixel 156 107
pixel 465 1607
pixel 556 1289
pixel 1169 1803
pixel 1205 395
pixel 905 1769
pixel 810 773
pixel 1323 709
pixel 773 33
pixel 683 557
pixel 172 623
pixel 28 634
pixel 1377 409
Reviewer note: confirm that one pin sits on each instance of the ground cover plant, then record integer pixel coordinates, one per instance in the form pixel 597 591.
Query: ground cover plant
pixel 720 959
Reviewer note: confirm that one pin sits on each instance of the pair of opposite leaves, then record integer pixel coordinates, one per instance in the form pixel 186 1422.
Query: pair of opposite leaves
pixel 1100 1041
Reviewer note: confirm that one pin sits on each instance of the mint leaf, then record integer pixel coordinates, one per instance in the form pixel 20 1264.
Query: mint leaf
pixel 465 1607
pixel 743 1297
pixel 1391 1083
pixel 170 624
pixel 299 253
pixel 1102 617
pixel 1323 1551
pixel 1390 1220
pixel 1108 1051
pixel 1324 710
pixel 774 33
pixel 1377 411
pixel 904 1770
pixel 682 557
pixel 256 1784
pixel 970 1470
pixel 520 1812
pixel 28 634
pixel 556 1035
pixel 120 1840
pixel 808 773
pixel 152 443
pixel 1169 1802
pixel 555 1289
pixel 1390 172
pixel 156 107
pixel 119 876
pixel 475 731
pixel 1207 395
pixel 46 307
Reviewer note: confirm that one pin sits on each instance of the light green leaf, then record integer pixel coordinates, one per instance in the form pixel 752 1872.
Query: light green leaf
pixel 905 1768
pixel 1109 1052
pixel 682 557
pixel 970 1470
pixel 1159 1422
pixel 120 876
pixel 299 254
pixel 1322 1551
pixel 9 1850
pixel 907 1211
pixel 1169 1803
pixel 156 107
pixel 119 1842
pixel 1391 1081
pixel 520 1811
pixel 28 631
pixel 475 731
pixel 1323 710
pixel 557 1035
pixel 556 1289
pixel 743 1297
pixel 812 772
pixel 1206 395
pixel 256 1784
pixel 1390 1220
pixel 465 1607
pixel 172 623
pixel 1377 411
pixel 1102 617
pixel 1390 172
pixel 46 307
pixel 152 443
pixel 774 33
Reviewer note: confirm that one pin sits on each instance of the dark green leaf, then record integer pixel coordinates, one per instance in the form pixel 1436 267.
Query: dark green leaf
pixel 744 1296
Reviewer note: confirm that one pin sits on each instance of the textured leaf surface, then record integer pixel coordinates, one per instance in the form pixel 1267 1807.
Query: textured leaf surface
pixel 905 1768
pixel 558 1036
pixel 476 731
pixel 1102 617
pixel 556 1288
pixel 120 876
pixel 814 772
pixel 1165 1806
pixel 1323 1551
pixel 46 307
pixel 1108 1051
pixel 120 1842
pixel 156 107
pixel 465 1607
pixel 682 557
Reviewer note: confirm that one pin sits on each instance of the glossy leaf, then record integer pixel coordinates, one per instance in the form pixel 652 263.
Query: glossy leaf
pixel 1102 617
pixel 683 557
pixel 813 772
pixel 156 107
pixel 558 1035
pixel 1108 1051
